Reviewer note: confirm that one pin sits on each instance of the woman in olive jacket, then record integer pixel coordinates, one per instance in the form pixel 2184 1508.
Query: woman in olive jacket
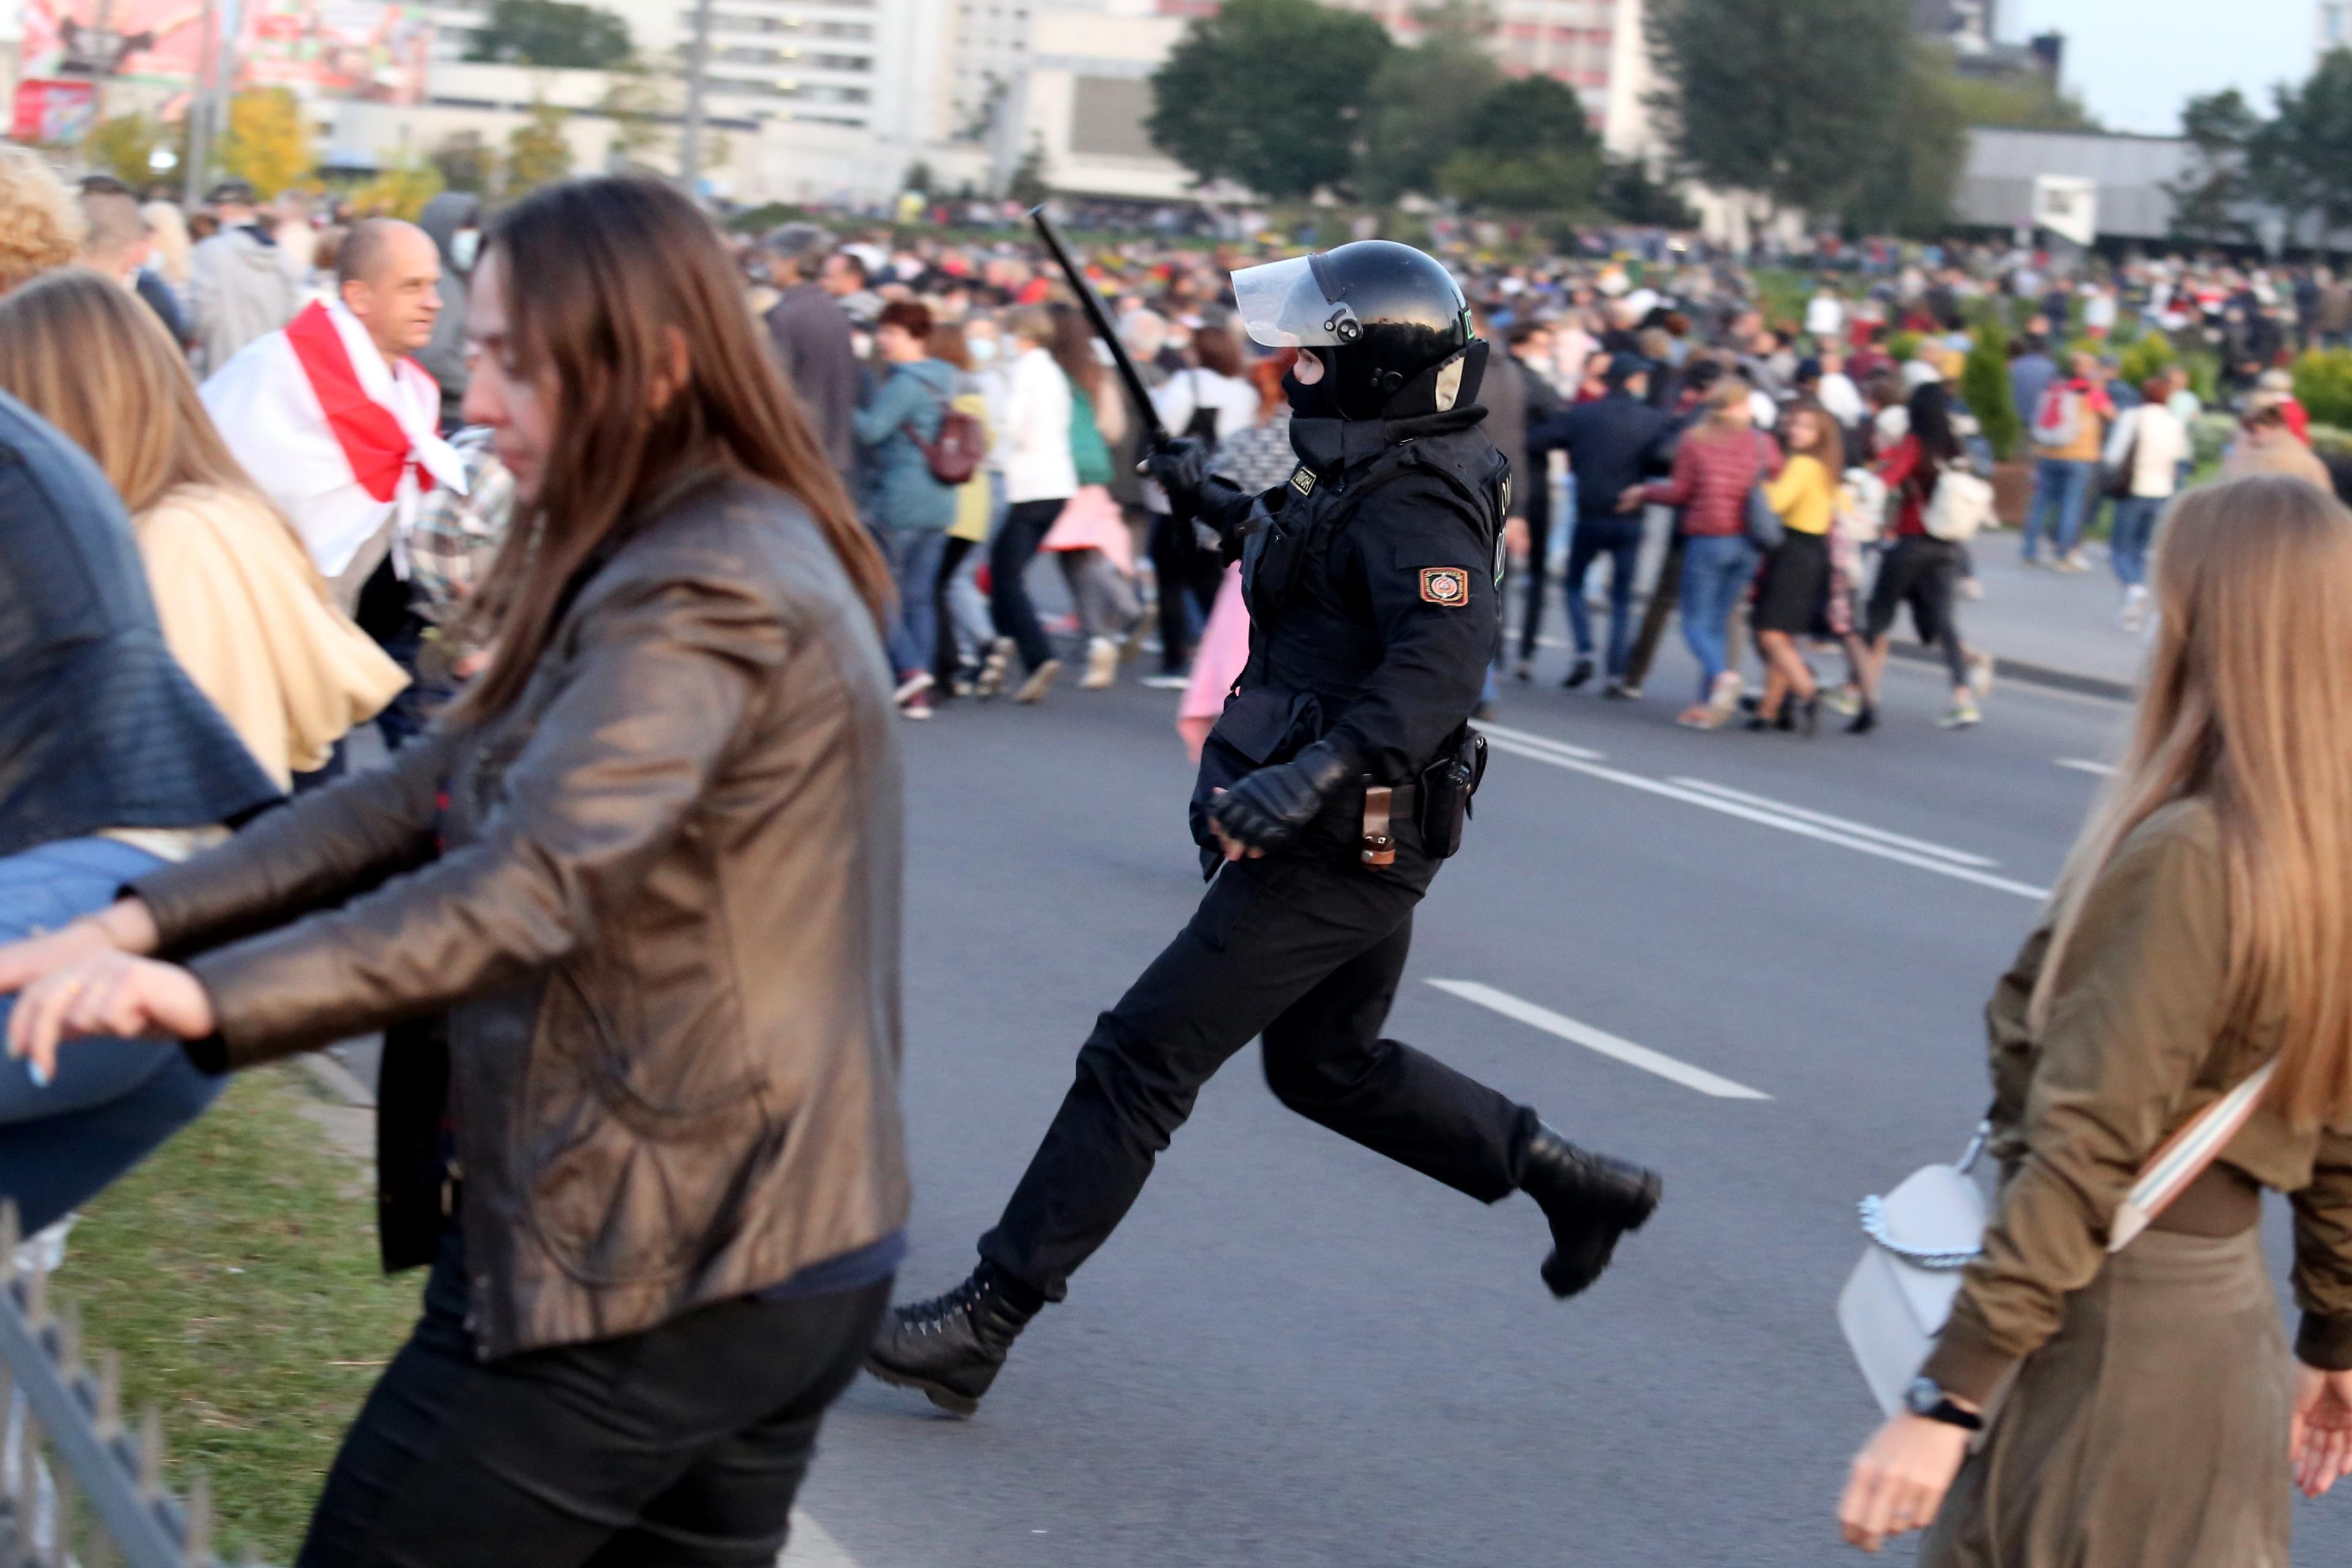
pixel 2140 1407
pixel 649 873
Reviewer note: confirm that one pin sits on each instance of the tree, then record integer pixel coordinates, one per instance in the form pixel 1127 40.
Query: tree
pixel 2033 102
pixel 268 145
pixel 537 153
pixel 2208 203
pixel 1267 93
pixel 1910 178
pixel 1984 383
pixel 1631 194
pixel 2300 161
pixel 399 190
pixel 641 102
pixel 124 145
pixel 1527 146
pixel 1028 185
pixel 551 34
pixel 465 164
pixel 1423 99
pixel 1780 98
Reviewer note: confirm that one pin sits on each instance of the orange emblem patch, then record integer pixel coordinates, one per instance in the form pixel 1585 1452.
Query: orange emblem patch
pixel 1444 586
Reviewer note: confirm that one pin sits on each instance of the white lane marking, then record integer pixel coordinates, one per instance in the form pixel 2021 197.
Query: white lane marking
pixel 1528 738
pixel 1860 830
pixel 2085 765
pixel 1600 1040
pixel 809 1546
pixel 1562 756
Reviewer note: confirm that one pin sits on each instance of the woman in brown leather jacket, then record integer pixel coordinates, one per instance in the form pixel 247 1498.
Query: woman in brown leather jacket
pixel 2141 1413
pixel 648 872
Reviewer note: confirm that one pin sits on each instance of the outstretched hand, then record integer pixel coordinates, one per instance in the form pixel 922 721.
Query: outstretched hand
pixel 2320 1438
pixel 108 993
pixel 1900 1479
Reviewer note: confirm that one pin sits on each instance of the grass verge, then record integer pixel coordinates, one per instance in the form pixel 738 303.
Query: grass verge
pixel 237 1273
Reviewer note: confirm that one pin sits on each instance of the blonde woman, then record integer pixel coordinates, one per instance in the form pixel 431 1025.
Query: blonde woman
pixel 241 606
pixel 167 235
pixel 2201 928
pixel 40 223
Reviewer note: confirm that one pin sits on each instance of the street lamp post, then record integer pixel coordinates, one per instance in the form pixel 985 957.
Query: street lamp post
pixel 690 141
pixel 200 108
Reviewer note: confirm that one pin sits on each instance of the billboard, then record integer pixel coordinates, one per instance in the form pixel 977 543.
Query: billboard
pixel 53 113
pixel 320 49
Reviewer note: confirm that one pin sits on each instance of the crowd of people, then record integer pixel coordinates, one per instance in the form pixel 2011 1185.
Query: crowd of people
pixel 638 542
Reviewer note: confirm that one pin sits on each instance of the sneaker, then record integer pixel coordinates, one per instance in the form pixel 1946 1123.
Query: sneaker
pixel 1961 715
pixel 1618 691
pixel 1845 702
pixel 1170 682
pixel 1524 671
pixel 2135 610
pixel 993 669
pixel 1981 667
pixel 1971 589
pixel 918 705
pixel 916 683
pixel 1724 695
pixel 1578 673
pixel 1040 681
pixel 1102 664
pixel 2078 561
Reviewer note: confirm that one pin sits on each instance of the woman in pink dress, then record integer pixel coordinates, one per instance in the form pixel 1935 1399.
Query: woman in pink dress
pixel 1258 458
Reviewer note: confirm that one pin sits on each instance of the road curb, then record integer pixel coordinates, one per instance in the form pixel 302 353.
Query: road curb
pixel 333 1079
pixel 2028 674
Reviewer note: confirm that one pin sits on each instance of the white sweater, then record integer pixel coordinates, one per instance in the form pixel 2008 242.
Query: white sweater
pixel 2158 444
pixel 1033 447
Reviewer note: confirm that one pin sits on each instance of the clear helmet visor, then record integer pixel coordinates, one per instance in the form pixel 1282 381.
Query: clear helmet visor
pixel 1282 306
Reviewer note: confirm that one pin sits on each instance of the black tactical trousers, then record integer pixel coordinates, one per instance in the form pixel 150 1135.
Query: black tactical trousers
pixel 1305 950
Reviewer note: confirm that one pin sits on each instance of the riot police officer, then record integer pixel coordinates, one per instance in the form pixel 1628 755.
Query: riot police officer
pixel 1334 784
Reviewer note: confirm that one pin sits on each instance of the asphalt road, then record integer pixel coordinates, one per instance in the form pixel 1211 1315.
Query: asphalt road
pixel 1296 1353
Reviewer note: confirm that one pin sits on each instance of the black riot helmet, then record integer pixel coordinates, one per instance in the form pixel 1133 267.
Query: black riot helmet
pixel 1386 321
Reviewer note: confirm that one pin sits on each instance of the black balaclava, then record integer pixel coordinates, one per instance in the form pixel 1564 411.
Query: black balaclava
pixel 1319 401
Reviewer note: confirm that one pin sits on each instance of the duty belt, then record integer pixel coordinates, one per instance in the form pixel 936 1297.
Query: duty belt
pixel 1383 804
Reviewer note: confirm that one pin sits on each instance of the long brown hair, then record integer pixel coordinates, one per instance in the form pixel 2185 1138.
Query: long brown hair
pixel 2247 706
pixel 88 356
pixel 1073 349
pixel 1828 448
pixel 604 278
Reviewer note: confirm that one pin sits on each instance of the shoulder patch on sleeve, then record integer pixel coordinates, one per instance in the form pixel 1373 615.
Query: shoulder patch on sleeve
pixel 1447 585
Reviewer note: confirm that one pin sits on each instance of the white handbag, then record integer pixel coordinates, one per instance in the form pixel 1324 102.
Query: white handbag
pixel 1925 1232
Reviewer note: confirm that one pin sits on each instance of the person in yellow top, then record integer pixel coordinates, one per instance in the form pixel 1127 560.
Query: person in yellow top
pixel 961 609
pixel 1796 575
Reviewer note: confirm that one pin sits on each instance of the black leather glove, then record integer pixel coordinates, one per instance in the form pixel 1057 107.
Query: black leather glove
pixel 1181 466
pixel 1268 809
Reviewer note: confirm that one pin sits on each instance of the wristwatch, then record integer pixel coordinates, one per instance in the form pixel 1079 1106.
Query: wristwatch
pixel 1926 1398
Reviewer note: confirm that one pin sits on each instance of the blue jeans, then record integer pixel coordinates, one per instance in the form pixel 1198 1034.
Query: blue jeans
pixel 2127 542
pixel 1716 570
pixel 113 1101
pixel 2061 495
pixel 914 554
pixel 1621 541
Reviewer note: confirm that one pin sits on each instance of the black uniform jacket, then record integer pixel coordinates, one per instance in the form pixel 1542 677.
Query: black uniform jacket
pixel 1371 578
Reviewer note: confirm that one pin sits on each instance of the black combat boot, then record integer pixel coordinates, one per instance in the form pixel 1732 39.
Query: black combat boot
pixel 951 1346
pixel 1590 1200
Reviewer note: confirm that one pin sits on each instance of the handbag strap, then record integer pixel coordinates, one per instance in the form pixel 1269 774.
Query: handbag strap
pixel 2184 1157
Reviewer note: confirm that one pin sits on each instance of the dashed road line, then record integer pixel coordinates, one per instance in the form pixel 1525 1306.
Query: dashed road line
pixel 811 1546
pixel 1824 819
pixel 2085 765
pixel 1598 1040
pixel 1576 759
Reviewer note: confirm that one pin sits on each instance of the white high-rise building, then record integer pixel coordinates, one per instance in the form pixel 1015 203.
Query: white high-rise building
pixel 2334 26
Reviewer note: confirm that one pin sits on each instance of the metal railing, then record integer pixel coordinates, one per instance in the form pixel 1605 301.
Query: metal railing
pixel 78 1490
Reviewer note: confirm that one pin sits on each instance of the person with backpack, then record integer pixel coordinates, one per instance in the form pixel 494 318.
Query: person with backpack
pixel 1922 568
pixel 906 505
pixel 2069 430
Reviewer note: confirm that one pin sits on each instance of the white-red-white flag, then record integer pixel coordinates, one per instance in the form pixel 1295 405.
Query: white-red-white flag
pixel 335 436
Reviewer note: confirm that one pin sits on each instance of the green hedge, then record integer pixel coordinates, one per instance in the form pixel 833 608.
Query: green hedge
pixel 2322 384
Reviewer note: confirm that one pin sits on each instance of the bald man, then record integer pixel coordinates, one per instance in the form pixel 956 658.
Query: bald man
pixel 346 481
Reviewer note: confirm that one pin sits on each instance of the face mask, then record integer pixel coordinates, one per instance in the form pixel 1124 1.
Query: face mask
pixel 983 350
pixel 464 246
pixel 1310 400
